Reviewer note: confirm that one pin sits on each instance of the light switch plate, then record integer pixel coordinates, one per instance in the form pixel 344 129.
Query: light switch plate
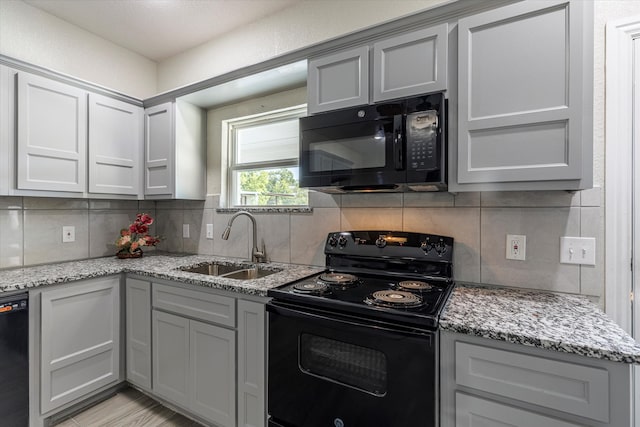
pixel 516 247
pixel 185 231
pixel 578 250
pixel 68 234
pixel 209 231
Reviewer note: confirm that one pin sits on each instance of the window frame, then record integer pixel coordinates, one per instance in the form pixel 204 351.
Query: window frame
pixel 233 126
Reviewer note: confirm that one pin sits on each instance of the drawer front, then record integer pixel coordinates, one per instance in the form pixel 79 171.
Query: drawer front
pixel 575 389
pixel 472 411
pixel 198 305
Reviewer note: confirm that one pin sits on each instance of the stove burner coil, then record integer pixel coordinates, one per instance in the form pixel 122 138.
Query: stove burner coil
pixel 312 288
pixel 415 285
pixel 394 299
pixel 339 279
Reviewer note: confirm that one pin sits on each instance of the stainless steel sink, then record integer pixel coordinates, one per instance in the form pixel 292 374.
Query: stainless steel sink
pixel 213 269
pixel 238 272
pixel 249 274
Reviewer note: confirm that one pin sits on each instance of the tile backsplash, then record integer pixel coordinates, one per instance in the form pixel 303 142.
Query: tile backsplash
pixel 31 230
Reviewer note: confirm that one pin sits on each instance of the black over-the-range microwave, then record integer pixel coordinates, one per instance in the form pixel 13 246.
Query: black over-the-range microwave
pixel 396 146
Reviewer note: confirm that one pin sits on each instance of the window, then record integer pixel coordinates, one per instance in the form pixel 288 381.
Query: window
pixel 263 159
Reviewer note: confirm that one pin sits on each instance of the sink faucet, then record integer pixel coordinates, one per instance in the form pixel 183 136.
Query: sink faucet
pixel 256 254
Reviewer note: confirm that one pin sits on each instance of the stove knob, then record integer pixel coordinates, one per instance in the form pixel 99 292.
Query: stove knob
pixel 342 241
pixel 381 242
pixel 426 247
pixel 441 248
pixel 333 241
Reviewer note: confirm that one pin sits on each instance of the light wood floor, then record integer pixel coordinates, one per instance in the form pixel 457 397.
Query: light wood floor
pixel 128 408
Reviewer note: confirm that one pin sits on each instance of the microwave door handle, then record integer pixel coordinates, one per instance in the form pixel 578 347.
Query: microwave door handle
pixel 398 151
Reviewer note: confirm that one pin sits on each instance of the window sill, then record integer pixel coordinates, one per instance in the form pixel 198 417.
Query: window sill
pixel 268 209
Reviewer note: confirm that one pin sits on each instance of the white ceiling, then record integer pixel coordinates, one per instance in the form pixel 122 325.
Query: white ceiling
pixel 158 29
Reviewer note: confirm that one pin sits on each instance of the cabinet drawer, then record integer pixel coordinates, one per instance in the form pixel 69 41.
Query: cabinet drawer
pixel 575 389
pixel 199 305
pixel 472 411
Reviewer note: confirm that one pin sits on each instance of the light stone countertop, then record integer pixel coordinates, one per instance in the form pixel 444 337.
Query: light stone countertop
pixel 155 266
pixel 560 322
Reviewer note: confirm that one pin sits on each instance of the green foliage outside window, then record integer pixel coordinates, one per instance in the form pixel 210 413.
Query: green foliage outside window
pixel 271 187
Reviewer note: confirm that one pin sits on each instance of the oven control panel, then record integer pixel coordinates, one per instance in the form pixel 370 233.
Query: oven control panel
pixel 390 243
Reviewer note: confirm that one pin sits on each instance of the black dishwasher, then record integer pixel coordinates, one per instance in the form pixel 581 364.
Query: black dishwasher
pixel 14 360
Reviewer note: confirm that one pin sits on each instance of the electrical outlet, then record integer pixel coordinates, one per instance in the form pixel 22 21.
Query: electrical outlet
pixel 516 247
pixel 578 250
pixel 209 231
pixel 68 234
pixel 185 231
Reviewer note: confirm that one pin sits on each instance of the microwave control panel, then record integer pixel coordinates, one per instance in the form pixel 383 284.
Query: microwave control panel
pixel 422 132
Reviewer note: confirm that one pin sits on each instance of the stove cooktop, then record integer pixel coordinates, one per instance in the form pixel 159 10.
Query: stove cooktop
pixel 414 303
pixel 395 276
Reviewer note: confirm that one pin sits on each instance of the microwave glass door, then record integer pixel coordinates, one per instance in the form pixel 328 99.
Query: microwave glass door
pixel 354 146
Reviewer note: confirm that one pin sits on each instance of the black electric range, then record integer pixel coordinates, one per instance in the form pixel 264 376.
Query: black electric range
pixel 358 344
pixel 401 277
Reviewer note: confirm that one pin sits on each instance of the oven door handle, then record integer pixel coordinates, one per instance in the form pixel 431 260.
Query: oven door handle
pixel 330 319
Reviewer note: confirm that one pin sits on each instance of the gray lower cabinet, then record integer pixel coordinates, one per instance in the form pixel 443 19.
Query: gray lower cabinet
pixel 171 357
pixel 138 329
pixel 524 98
pixel 251 364
pixel 79 340
pixel 212 372
pixel 490 383
pixel 204 360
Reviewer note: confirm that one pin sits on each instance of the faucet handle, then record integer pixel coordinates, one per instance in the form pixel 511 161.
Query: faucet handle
pixel 260 255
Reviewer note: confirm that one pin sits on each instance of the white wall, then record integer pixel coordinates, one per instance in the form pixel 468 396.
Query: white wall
pixel 34 36
pixel 305 24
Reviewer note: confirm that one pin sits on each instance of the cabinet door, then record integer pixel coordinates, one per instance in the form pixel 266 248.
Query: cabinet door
pixel 251 364
pixel 171 357
pixel 139 333
pixel 159 140
pixel 473 411
pixel 5 126
pixel 115 146
pixel 52 135
pixel 80 340
pixel 338 81
pixel 410 64
pixel 213 373
pixel 521 97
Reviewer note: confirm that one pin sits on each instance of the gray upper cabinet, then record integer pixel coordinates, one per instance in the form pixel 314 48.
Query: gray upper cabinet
pixel 410 64
pixel 52 135
pixel 138 345
pixel 338 80
pixel 175 161
pixel 5 133
pixel 80 340
pixel 525 98
pixel 158 147
pixel 404 65
pixel 115 146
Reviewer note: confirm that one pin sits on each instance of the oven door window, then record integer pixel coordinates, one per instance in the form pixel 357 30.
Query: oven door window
pixel 360 145
pixel 359 367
